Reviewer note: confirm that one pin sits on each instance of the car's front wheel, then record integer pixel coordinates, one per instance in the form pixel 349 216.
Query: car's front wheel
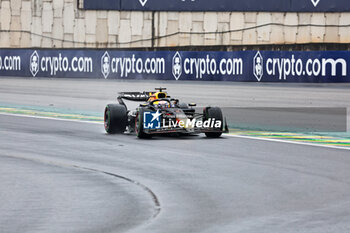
pixel 214 113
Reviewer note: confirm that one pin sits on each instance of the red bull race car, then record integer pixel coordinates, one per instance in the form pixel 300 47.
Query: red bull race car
pixel 159 114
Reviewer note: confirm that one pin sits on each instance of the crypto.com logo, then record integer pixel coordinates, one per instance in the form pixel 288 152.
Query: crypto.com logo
pixel 105 64
pixel 258 66
pixel 177 68
pixel 315 2
pixel 34 64
pixel 143 2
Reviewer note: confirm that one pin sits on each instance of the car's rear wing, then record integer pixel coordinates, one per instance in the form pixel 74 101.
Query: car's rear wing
pixel 134 96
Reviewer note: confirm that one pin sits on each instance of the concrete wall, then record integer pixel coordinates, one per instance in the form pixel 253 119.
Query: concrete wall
pixel 60 24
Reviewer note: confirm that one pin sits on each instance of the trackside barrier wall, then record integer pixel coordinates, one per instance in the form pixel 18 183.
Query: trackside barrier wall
pixel 243 66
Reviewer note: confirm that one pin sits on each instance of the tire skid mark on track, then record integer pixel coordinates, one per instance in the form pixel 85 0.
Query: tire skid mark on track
pixel 155 199
pixel 144 187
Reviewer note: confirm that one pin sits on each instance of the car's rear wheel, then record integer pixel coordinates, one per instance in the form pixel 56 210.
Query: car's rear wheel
pixel 115 118
pixel 139 120
pixel 213 113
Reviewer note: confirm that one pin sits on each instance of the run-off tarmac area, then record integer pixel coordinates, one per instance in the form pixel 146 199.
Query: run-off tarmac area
pixel 67 176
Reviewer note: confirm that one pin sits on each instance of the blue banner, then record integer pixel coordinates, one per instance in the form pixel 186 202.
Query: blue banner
pixel 102 5
pixel 243 66
pixel 221 5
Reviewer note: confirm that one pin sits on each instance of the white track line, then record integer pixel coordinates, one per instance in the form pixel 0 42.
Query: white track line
pixel 50 118
pixel 290 142
pixel 229 135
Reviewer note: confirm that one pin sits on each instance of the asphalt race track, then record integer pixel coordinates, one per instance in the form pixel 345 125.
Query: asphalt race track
pixel 67 176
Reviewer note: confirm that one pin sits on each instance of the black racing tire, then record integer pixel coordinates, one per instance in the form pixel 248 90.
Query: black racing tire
pixel 115 118
pixel 213 112
pixel 139 119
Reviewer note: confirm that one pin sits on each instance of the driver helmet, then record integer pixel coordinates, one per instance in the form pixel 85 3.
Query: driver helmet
pixel 162 104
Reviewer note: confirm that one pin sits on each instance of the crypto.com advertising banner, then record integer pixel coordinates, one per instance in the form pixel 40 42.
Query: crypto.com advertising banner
pixel 243 66
pixel 221 5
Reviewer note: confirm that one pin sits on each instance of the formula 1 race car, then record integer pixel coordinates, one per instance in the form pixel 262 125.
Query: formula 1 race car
pixel 160 114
